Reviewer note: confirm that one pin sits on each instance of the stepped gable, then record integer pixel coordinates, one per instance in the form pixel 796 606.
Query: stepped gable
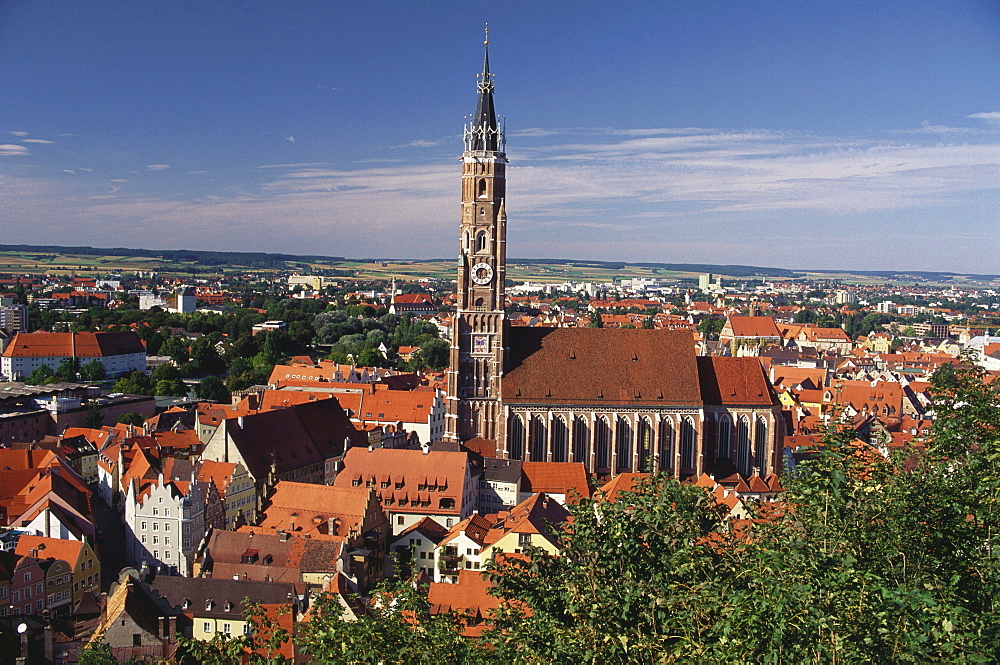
pixel 620 366
pixel 736 381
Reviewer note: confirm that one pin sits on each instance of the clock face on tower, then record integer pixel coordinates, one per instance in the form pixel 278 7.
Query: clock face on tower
pixel 482 273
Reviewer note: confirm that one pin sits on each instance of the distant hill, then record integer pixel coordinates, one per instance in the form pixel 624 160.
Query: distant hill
pixel 204 257
pixel 276 261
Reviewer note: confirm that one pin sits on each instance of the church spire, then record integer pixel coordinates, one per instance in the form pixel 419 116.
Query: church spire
pixel 483 133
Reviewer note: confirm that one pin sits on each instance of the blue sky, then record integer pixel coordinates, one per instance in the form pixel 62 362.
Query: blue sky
pixel 860 135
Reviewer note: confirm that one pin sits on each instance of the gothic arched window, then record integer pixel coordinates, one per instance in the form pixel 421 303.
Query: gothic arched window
pixel 722 450
pixel 687 443
pixel 743 461
pixel 481 193
pixel 581 442
pixel 602 444
pixel 645 442
pixel 666 444
pixel 762 445
pixel 623 436
pixel 515 437
pixel 559 439
pixel 537 439
pixel 482 240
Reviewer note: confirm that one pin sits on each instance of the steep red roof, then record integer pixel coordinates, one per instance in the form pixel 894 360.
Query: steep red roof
pixel 598 366
pixel 81 345
pixel 753 326
pixel 735 381
pixel 556 478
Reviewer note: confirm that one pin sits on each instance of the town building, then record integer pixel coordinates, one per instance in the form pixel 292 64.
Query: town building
pixel 119 352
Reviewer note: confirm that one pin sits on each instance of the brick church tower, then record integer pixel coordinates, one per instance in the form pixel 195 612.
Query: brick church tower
pixel 479 336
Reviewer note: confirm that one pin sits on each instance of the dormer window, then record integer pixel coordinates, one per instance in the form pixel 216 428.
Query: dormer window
pixel 186 604
pixel 228 606
pixel 209 603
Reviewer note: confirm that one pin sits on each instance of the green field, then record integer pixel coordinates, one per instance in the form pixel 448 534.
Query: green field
pixel 96 265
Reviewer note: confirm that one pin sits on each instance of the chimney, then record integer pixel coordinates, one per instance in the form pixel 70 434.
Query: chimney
pixel 171 627
pixel 102 601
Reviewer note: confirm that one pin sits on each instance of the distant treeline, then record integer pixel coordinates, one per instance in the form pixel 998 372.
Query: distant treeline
pixel 904 275
pixel 203 257
pixel 733 271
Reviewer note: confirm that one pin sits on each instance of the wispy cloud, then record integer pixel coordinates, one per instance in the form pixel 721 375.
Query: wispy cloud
pixel 42 141
pixel 420 143
pixel 290 139
pixel 669 194
pixel 157 167
pixel 12 150
pixel 18 133
pixel 992 116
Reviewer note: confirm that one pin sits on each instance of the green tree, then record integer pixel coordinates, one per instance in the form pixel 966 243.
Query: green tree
pixel 596 321
pixel 434 353
pixel 95 416
pixel 93 371
pixel 173 387
pixel 40 376
pixel 213 389
pixel 134 383
pixel 68 369
pixel 131 418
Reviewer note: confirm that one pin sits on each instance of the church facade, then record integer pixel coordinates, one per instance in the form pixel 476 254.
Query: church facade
pixel 617 399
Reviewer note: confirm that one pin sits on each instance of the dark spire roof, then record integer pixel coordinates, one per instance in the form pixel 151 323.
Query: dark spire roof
pixel 483 133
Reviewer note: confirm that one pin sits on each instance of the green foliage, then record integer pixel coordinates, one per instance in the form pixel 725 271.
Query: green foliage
pixel 68 369
pixel 131 418
pixel 434 353
pixel 95 417
pixel 711 326
pixel 400 629
pixel 135 383
pixel 595 319
pixel 213 389
pixel 172 387
pixel 93 371
pixel 40 376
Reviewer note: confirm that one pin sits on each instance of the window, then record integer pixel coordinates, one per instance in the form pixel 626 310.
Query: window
pixel 227 628
pixel 400 520
pixel 166 555
pixel 27 592
pixel 156 540
pixel 246 628
pixel 137 639
pixel 206 627
pixel 16 596
pixel 156 511
pixel 524 539
pixel 156 526
pixel 144 526
pixel 166 527
pixel 27 577
pixel 143 538
pixel 38 589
